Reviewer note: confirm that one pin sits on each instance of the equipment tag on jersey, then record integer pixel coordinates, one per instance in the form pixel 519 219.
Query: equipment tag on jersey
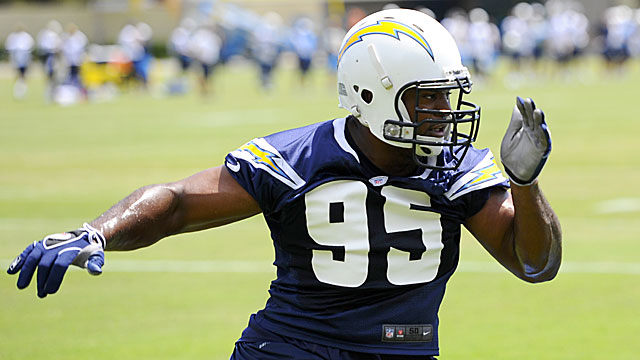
pixel 407 333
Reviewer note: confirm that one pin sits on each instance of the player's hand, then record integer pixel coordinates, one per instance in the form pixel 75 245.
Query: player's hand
pixel 53 255
pixel 526 144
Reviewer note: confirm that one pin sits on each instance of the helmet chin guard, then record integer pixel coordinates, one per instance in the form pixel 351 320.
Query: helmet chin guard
pixel 429 150
pixel 390 52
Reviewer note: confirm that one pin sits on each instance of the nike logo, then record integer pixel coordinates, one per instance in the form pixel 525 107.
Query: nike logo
pixel 425 333
pixel 232 167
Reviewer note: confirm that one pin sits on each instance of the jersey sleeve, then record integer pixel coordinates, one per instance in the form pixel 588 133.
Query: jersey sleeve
pixel 263 172
pixel 475 182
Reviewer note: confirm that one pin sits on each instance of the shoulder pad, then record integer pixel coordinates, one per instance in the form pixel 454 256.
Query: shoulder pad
pixel 483 175
pixel 261 155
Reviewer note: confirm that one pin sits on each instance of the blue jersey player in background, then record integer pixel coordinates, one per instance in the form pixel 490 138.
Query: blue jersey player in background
pixel 365 211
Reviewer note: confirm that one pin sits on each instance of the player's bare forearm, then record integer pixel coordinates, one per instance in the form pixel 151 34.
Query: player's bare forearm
pixel 521 231
pixel 140 219
pixel 537 235
pixel 207 199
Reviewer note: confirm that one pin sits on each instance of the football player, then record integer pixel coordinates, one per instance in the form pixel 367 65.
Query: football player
pixel 365 211
pixel 19 45
pixel 204 47
pixel 48 43
pixel 74 44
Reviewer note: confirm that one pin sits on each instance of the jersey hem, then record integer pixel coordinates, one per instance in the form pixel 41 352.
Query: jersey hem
pixel 363 348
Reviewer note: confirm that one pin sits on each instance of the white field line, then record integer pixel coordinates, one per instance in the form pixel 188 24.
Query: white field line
pixel 265 267
pixel 619 205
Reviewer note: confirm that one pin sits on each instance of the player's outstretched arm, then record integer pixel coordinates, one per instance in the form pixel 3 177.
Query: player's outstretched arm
pixel 520 229
pixel 207 199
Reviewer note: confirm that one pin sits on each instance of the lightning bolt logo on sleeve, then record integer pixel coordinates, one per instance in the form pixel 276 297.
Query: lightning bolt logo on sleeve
pixel 260 154
pixel 485 174
pixel 388 28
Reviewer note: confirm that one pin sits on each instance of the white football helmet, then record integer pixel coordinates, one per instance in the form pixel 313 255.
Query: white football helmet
pixel 390 52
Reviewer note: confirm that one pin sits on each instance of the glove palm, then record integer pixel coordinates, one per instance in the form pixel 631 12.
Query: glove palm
pixel 526 144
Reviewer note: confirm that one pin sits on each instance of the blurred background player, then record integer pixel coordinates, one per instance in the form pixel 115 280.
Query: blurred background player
pixel 457 23
pixel 517 42
pixel 178 47
pixel 74 46
pixel 134 41
pixel 484 42
pixel 304 43
pixel 332 37
pixel 568 35
pixel 633 43
pixel 266 46
pixel 48 47
pixel 141 66
pixel 204 48
pixel 19 45
pixel 617 29
pixel 131 49
pixel 235 26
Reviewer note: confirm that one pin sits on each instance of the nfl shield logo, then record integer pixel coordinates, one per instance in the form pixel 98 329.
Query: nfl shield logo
pixel 379 180
pixel 388 332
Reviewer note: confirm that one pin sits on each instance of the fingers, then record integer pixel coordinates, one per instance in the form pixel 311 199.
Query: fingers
pixel 527 116
pixel 29 267
pixel 95 263
pixel 18 262
pixel 521 109
pixel 542 131
pixel 516 123
pixel 516 117
pixel 533 118
pixel 44 268
pixel 57 272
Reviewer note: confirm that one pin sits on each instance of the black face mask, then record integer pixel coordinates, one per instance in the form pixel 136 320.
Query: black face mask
pixel 463 123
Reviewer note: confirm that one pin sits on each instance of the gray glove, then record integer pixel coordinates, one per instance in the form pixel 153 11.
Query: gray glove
pixel 526 144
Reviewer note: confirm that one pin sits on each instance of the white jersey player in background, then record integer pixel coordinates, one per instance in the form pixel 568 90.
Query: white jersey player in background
pixel 19 45
pixel 49 43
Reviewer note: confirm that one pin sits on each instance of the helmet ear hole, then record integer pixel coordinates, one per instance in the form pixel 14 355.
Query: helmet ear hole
pixel 356 88
pixel 367 96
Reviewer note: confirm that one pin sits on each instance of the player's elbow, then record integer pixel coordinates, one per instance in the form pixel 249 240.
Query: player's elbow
pixel 545 265
pixel 548 272
pixel 162 203
pixel 174 208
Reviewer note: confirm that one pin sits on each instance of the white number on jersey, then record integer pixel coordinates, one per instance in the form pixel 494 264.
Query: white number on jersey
pixel 351 233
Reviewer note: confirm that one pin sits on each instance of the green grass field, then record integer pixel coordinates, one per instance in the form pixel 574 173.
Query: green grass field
pixel 61 166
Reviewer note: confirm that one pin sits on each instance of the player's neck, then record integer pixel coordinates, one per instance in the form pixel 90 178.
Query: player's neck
pixel 391 160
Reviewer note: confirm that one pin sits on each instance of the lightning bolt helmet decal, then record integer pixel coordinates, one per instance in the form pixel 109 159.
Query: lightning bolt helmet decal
pixel 388 28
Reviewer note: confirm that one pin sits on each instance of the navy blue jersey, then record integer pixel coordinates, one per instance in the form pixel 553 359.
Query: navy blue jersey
pixel 362 258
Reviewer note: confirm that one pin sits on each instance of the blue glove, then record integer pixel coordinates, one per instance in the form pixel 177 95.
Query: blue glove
pixel 53 255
